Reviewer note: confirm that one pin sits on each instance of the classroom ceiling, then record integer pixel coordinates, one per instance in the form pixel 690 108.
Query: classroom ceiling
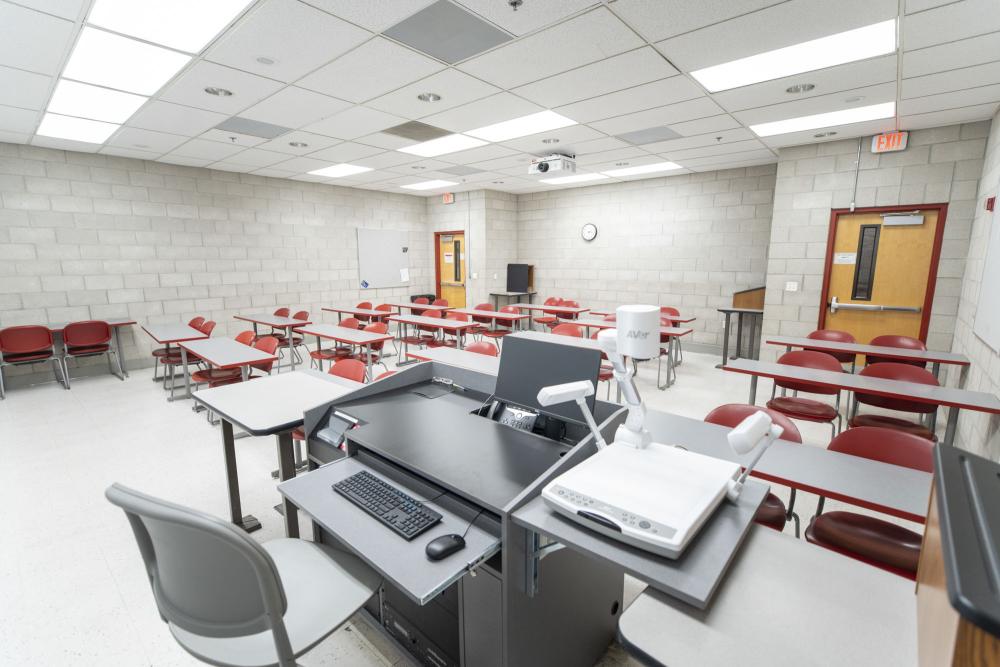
pixel 318 83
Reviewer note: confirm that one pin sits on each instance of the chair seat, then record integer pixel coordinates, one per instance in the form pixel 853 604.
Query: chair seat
pixel 363 357
pixel 771 513
pixel 162 351
pixel 497 333
pixel 803 408
pixel 323 589
pixel 545 320
pixel 27 356
pixel 606 373
pixel 329 353
pixel 868 539
pixel 82 350
pixel 884 421
pixel 298 433
pixel 213 375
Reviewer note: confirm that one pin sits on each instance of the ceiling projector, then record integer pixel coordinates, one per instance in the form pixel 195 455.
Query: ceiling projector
pixel 551 164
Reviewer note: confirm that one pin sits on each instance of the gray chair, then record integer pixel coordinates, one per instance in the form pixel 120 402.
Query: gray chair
pixel 231 601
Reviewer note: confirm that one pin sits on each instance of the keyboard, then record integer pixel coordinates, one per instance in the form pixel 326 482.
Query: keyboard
pixel 406 516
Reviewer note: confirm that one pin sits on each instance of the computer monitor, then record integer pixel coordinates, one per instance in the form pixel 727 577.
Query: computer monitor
pixel 527 365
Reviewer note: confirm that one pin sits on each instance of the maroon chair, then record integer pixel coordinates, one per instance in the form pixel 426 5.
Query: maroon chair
pixel 430 334
pixel 836 336
pixel 499 331
pixel 245 337
pixel 444 341
pixel 194 322
pixel 482 347
pixel 905 342
pixel 365 305
pixel 89 338
pixel 571 330
pixel 28 344
pixel 351 369
pixel 668 311
pixel 267 345
pixel 895 371
pixel 868 539
pixel 296 340
pixel 422 300
pixel 549 317
pixel 772 512
pixel 808 409
pixel 217 377
pixel 440 302
pixel 482 323
pixel 317 357
pixel 569 303
pixel 280 312
pixel 376 348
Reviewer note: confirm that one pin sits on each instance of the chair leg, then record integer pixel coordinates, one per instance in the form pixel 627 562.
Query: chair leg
pixel 795 518
pixel 819 505
pixel 65 366
pixel 56 370
pixel 3 391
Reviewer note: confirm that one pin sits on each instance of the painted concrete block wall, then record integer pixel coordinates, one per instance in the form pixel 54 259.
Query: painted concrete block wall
pixel 91 236
pixel 939 165
pixel 977 431
pixel 688 241
pixel 501 239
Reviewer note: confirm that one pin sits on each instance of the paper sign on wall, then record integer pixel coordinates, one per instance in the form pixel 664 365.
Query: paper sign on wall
pixel 449 258
pixel 845 258
pixel 404 275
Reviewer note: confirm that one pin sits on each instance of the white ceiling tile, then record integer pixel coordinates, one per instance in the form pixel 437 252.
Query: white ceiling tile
pixel 943 82
pixel 885 92
pixel 64 144
pixel 681 155
pixel 354 122
pixel 145 140
pixel 454 87
pixel 14 137
pixel 134 153
pixel 247 89
pixel 23 89
pixel 33 41
pixel 345 152
pixel 301 165
pixel 647 96
pixel 14 119
pixel 606 76
pixel 705 125
pixel 700 107
pixel 827 81
pixel 67 9
pixel 273 173
pixel 720 161
pixel 772 28
pixel 487 111
pixel 950 23
pixel 174 118
pixel 948 117
pixel 232 138
pixel 184 161
pixel 529 17
pixel 489 152
pixel 294 107
pixel 598 145
pixel 313 142
pixel 419 168
pixel 736 164
pixel 388 159
pixel 207 150
pixel 375 15
pixel 952 100
pixel 659 19
pixel 568 137
pixel 914 6
pixel 310 178
pixel 298 38
pixel 519 161
pixel 953 55
pixel 629 153
pixel 374 68
pixel 230 166
pixel 582 40
pixel 366 177
pixel 255 157
pixel 865 129
pixel 711 139
pixel 389 142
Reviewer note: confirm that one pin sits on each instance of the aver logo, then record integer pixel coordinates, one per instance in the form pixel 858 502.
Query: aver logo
pixel 636 333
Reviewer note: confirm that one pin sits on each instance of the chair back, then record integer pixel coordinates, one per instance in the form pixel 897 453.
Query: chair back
pixel 570 304
pixel 282 312
pixel 430 313
pixel 208 577
pixel 86 334
pixel 809 359
pixel 571 330
pixel 665 322
pixel 196 322
pixel 461 317
pixel 207 327
pixel 421 300
pixel 25 339
pixel 439 302
pixel 669 310
pixel 482 347
pixel 245 337
pixel 367 305
pixel 268 345
pixel 886 445
pixel 552 301
pixel 611 317
pixel 483 306
pixel 377 328
pixel 837 337
pixel 301 315
pixel 350 323
pixel 891 340
pixel 731 414
pixel 890 370
pixel 510 309
pixel 351 369
pixel 384 375
pixel 385 308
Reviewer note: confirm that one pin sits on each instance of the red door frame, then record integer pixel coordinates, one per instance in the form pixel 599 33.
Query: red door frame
pixel 925 312
pixel 437 258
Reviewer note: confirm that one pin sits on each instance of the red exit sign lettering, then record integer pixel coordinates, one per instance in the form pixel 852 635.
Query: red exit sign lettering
pixel 889 142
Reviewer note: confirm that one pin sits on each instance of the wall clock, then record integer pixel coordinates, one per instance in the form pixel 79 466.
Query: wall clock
pixel 589 232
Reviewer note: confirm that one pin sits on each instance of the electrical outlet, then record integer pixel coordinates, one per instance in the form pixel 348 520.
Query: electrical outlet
pixel 791 286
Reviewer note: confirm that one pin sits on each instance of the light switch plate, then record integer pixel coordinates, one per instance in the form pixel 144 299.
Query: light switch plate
pixel 475 276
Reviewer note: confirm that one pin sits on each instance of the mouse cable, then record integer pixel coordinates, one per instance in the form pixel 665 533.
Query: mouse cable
pixel 469 527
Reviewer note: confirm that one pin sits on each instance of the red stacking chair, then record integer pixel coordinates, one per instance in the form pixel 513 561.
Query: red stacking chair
pixel 482 347
pixel 606 373
pixel 905 342
pixel 430 336
pixel 352 369
pixel 668 311
pixel 384 307
pixel 444 341
pixel 808 409
pixel 295 341
pixel 569 304
pixel 906 373
pixel 339 351
pixel 87 339
pixel 366 305
pixel 571 330
pixel 772 512
pixel 245 337
pixel 268 345
pixel 836 336
pixel 500 330
pixel 194 323
pixel 422 300
pixel 871 540
pixel 280 312
pixel 216 377
pixel 482 323
pixel 549 318
pixel 665 339
pixel 28 344
pixel 376 348
pixel 439 302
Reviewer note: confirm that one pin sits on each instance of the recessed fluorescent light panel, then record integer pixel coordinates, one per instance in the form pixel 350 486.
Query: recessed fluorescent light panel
pixel 844 47
pixel 643 169
pixel 543 121
pixel 451 143
pixel 577 178
pixel 187 25
pixel 122 63
pixel 429 185
pixel 830 119
pixel 85 101
pixel 75 129
pixel 340 170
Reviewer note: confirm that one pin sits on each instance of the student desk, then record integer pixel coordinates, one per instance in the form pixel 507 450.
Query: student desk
pixel 472 361
pixel 680 319
pixel 401 305
pixel 956 399
pixel 511 295
pixel 358 312
pixel 167 334
pixel 276 322
pixel 558 311
pixel 443 324
pixel 510 319
pixel 221 353
pixel 741 313
pixel 116 338
pixel 271 405
pixel 344 335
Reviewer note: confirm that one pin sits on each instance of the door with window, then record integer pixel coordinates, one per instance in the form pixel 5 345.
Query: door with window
pixel 450 264
pixel 881 269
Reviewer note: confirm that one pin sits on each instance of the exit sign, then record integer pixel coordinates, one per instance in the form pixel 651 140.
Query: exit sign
pixel 889 142
pixel 448 198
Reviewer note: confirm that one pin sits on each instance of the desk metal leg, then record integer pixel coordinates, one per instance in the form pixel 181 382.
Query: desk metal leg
pixel 406 348
pixel 291 346
pixel 753 390
pixel 116 332
pixel 248 523
pixel 368 361
pixel 187 378
pixel 949 432
pixel 286 471
pixel 739 335
pixel 725 341
pixel 963 376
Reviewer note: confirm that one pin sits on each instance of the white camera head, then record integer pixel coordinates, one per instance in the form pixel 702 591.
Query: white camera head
pixel 638 331
pixel 563 393
pixel 749 432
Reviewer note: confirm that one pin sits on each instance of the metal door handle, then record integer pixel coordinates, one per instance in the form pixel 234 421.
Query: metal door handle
pixel 835 306
pixel 452 284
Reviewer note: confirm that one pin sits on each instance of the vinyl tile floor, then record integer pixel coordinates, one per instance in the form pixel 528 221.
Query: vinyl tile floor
pixel 72 586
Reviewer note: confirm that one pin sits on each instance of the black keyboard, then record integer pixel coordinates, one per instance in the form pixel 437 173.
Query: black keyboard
pixel 405 515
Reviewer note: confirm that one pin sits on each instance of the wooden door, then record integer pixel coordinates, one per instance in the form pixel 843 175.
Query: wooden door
pixel 880 273
pixel 451 254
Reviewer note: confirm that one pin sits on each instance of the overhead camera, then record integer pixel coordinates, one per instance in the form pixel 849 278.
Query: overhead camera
pixel 552 163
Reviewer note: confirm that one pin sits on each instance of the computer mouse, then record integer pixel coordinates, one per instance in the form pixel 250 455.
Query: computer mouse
pixel 444 546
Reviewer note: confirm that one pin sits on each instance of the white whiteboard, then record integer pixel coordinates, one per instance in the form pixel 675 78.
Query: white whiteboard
pixel 987 325
pixel 383 258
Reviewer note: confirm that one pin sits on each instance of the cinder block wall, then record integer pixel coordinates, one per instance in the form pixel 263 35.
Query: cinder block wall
pixel 92 236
